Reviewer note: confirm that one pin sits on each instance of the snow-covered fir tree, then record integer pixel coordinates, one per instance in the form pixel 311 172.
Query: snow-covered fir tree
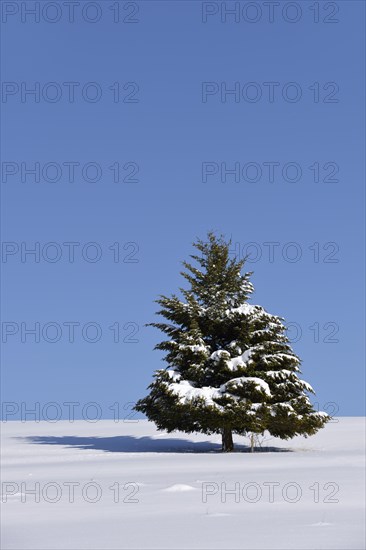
pixel 230 368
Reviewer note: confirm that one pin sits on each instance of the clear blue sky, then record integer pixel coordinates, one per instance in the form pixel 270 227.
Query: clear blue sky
pixel 169 133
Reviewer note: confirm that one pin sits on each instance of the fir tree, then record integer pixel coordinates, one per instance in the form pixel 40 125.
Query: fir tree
pixel 231 368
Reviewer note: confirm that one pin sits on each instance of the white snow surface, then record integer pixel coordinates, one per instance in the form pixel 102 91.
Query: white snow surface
pixel 170 476
pixel 245 309
pixel 186 392
pixel 233 363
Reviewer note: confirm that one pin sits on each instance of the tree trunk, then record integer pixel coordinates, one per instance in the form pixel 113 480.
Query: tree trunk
pixel 227 440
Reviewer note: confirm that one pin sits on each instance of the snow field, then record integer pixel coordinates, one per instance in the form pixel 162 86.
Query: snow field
pixel 109 485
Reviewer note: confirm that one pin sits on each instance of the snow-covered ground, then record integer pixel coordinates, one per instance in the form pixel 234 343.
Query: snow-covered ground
pixel 134 487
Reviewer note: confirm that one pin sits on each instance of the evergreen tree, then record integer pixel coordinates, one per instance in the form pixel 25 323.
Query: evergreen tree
pixel 231 368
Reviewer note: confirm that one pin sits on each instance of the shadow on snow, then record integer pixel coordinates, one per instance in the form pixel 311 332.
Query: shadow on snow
pixel 130 444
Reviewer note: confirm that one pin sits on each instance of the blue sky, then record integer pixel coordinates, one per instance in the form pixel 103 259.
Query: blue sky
pixel 310 131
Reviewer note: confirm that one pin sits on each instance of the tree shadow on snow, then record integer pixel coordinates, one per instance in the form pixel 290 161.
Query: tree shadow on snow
pixel 130 444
